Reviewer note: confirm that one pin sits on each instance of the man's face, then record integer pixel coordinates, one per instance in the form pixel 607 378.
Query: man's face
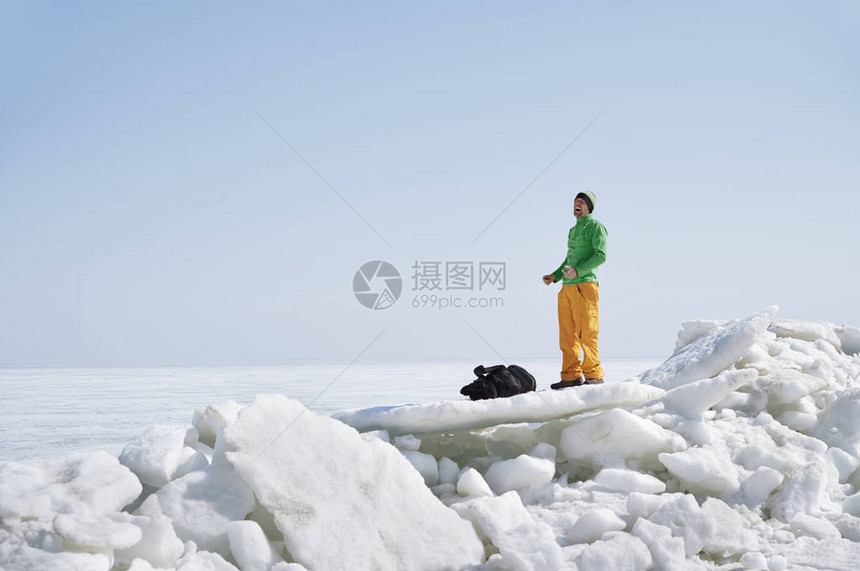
pixel 580 208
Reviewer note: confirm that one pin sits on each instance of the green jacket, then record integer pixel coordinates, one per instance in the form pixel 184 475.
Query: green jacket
pixel 586 249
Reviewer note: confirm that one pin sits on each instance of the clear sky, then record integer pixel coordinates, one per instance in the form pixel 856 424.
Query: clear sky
pixel 198 182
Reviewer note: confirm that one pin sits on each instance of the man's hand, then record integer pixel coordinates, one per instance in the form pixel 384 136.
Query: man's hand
pixel 548 279
pixel 569 272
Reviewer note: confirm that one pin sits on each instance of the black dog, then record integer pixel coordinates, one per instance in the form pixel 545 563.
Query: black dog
pixel 499 381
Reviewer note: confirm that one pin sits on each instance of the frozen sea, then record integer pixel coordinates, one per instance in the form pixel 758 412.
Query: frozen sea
pixel 51 412
pixel 741 450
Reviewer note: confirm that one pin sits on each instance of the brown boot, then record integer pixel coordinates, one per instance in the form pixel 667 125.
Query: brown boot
pixel 593 381
pixel 565 384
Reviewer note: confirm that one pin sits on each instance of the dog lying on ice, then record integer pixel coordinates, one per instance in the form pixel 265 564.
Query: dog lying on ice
pixel 499 381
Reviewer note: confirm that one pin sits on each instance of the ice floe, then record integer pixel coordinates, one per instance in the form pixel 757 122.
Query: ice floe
pixel 741 450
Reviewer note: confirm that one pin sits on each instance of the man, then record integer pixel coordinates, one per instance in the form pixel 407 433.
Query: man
pixel 578 321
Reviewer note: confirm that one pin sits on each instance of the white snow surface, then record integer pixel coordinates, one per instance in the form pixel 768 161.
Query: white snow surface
pixel 470 415
pixel 711 353
pixel 742 450
pixel 155 455
pixel 336 497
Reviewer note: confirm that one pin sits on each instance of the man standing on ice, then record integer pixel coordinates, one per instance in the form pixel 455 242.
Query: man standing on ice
pixel 578 321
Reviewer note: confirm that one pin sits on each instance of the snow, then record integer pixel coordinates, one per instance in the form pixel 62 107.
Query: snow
pixel 620 551
pixel 806 331
pixel 195 560
pixel 472 483
pixel 407 442
pixel 59 514
pixel 426 465
pixel 321 480
pixel 754 560
pixel 209 421
pixel 703 470
pixel 739 451
pixel 685 518
pixel 159 545
pixel 155 455
pixel 84 533
pixel 667 550
pixel 523 543
pixel 519 473
pixel 617 436
pixel 761 484
pixel 449 471
pixel 836 424
pixel 849 338
pixel 694 398
pixel 250 547
pixel 623 480
pixel 470 415
pixel 202 503
pixel 710 354
pixel 592 525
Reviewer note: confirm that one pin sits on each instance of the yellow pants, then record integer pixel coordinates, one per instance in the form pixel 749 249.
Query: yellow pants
pixel 578 324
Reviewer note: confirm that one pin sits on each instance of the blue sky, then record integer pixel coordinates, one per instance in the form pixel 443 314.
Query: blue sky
pixel 152 210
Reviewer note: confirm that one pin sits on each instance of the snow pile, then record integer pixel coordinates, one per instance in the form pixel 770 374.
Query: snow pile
pixel 742 450
pixel 273 487
pixel 337 497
